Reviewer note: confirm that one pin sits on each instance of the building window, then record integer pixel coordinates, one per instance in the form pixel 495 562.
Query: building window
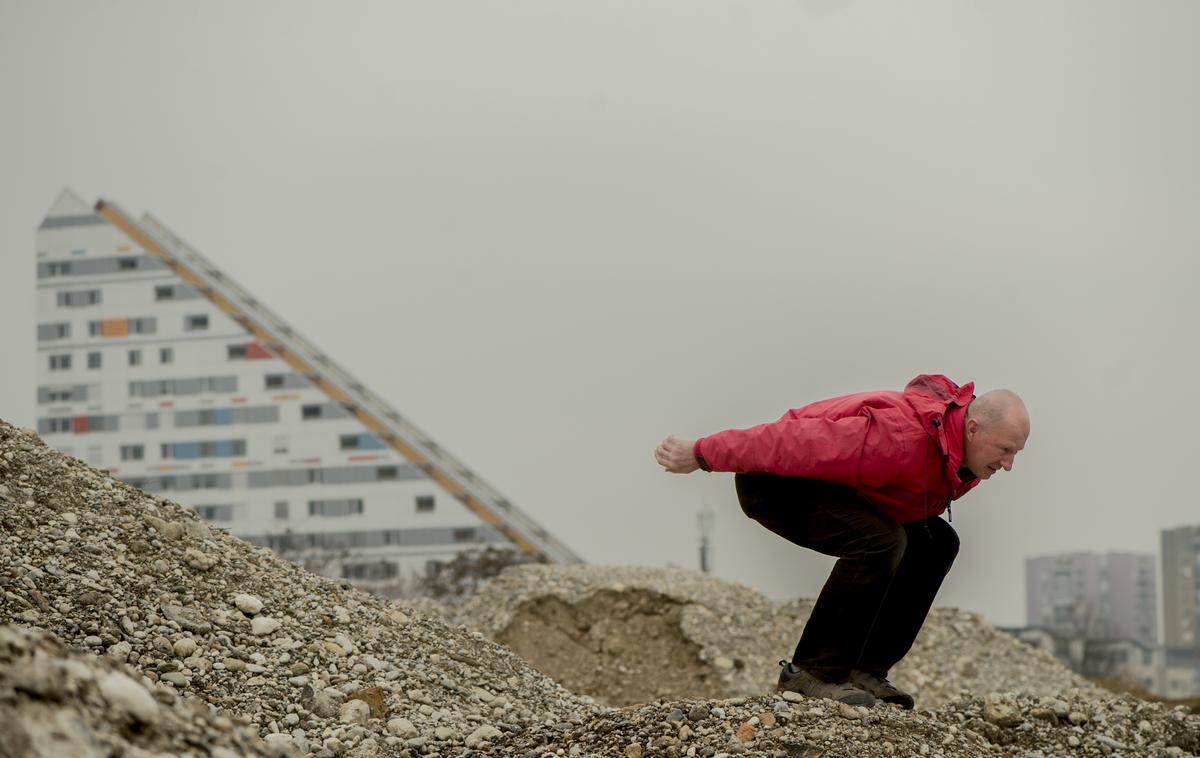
pixel 310 412
pixel 127 264
pixel 62 394
pixel 215 512
pixel 60 362
pixel 195 322
pixel 281 509
pixel 370 571
pixel 236 352
pixel 54 425
pixel 164 292
pixel 166 355
pixel 285 381
pixel 61 268
pixel 56 331
pixel 424 503
pixel 359 442
pixel 135 357
pixel 343 507
pixel 385 473
pixel 210 449
pixel 464 535
pixel 133 452
pixel 143 325
pixel 93 360
pixel 78 298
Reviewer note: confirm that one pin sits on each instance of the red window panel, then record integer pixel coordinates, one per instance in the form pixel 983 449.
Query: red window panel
pixel 256 352
pixel 79 424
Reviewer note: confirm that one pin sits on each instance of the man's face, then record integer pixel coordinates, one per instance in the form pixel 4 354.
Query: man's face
pixel 991 448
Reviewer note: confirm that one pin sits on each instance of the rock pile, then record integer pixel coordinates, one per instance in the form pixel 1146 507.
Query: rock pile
pixel 177 639
pixel 307 661
pixel 1005 726
pixel 57 703
pixel 630 635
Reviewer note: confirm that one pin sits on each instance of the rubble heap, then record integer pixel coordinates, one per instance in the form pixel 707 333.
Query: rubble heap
pixel 1006 726
pixel 57 703
pixel 629 635
pixel 307 660
pixel 179 640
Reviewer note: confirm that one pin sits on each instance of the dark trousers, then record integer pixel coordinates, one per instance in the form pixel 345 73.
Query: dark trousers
pixel 882 587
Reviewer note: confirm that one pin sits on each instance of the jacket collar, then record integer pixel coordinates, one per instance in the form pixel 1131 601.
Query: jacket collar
pixel 942 407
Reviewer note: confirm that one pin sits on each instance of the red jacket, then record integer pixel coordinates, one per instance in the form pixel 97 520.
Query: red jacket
pixel 901 451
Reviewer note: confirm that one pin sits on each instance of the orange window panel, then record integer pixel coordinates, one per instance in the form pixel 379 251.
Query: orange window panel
pixel 256 352
pixel 114 327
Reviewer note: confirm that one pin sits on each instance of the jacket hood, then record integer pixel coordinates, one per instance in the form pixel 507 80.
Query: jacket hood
pixel 941 390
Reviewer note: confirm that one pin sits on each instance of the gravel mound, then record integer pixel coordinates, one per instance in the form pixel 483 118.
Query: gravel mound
pixel 308 661
pixel 57 703
pixel 959 652
pixel 130 628
pixel 629 635
pixel 1007 726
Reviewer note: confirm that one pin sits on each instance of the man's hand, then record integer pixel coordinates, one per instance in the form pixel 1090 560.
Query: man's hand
pixel 677 456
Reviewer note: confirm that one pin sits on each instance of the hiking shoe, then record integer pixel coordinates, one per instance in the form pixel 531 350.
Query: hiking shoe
pixel 880 687
pixel 795 679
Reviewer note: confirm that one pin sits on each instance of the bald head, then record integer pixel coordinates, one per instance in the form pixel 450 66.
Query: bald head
pixel 996 429
pixel 999 407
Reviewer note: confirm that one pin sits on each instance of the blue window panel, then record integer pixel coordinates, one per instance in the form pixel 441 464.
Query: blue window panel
pixel 187 449
pixel 223 416
pixel 225 449
pixel 369 442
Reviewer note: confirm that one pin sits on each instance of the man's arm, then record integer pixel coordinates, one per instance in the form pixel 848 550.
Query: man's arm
pixel 817 448
pixel 676 455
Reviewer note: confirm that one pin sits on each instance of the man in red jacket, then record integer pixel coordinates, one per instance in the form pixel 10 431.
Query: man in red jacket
pixel 864 478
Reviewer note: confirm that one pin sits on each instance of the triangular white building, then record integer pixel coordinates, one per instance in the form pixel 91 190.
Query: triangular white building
pixel 152 363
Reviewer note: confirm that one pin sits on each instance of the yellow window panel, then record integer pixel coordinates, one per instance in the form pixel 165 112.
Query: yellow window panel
pixel 114 327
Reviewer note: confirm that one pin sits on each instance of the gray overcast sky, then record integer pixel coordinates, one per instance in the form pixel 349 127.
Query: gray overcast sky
pixel 551 233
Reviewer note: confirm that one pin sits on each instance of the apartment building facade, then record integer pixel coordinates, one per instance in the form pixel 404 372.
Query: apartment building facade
pixel 142 374
pixel 1094 596
pixel 1181 586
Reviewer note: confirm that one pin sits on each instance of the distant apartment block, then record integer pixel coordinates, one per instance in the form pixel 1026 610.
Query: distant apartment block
pixel 1164 672
pixel 1181 586
pixel 1095 596
pixel 153 364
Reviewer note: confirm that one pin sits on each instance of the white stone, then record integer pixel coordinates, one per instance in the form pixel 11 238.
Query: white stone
pixel 402 728
pixel 263 625
pixel 128 697
pixel 354 712
pixel 248 604
pixel 184 647
pixel 485 732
